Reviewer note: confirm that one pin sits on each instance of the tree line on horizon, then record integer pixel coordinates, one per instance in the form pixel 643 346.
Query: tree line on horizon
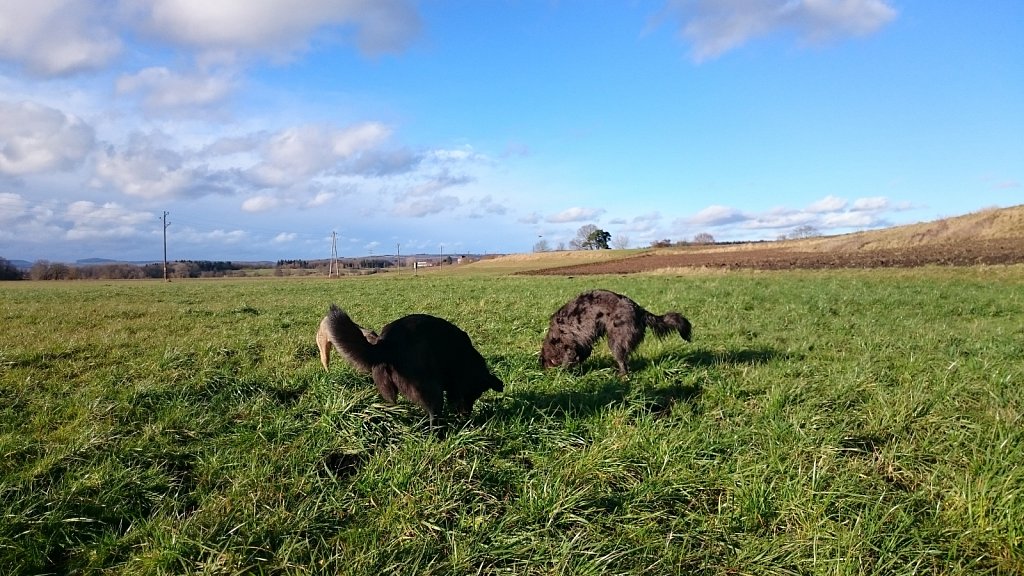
pixel 46 270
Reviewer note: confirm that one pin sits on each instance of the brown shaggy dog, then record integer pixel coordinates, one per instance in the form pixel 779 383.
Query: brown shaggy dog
pixel 423 357
pixel 577 326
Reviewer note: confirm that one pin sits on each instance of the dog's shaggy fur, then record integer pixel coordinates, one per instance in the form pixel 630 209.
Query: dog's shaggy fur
pixel 581 322
pixel 423 357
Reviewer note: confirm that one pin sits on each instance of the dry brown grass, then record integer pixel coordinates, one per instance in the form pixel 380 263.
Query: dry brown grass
pixel 989 224
pixel 541 260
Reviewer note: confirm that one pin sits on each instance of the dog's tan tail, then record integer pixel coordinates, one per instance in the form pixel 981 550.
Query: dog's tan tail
pixel 668 323
pixel 354 342
pixel 323 343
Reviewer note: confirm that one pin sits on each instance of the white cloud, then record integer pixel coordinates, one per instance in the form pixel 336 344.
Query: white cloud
pixel 827 214
pixel 60 37
pixel 531 218
pixel 438 182
pixel 820 20
pixel 872 204
pixel 487 205
pixel 320 199
pixel 91 221
pixel 56 37
pixel 296 154
pixel 145 169
pixel 35 138
pixel 777 219
pixel 260 203
pixel 851 220
pixel 280 28
pixel 164 90
pixel 419 207
pixel 575 214
pixel 285 237
pixel 828 204
pixel 13 207
pixel 714 27
pixel 455 155
pixel 26 223
pixel 644 223
pixel 716 215
pixel 193 236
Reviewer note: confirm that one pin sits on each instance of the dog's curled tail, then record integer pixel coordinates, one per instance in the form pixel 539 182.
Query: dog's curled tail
pixel 668 323
pixel 355 343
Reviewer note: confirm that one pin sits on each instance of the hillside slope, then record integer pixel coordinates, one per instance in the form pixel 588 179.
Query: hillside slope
pixel 993 237
pixel 991 224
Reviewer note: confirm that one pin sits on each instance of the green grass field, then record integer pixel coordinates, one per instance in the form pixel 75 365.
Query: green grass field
pixel 851 422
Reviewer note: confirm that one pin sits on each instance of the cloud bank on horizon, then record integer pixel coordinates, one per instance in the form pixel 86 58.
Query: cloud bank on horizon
pixel 262 127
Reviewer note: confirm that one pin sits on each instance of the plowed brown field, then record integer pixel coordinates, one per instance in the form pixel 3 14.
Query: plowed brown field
pixel 769 256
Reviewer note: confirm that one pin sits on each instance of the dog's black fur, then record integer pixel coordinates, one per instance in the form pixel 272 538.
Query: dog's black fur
pixel 581 322
pixel 423 357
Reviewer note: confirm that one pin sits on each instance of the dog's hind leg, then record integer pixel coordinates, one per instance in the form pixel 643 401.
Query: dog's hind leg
pixel 622 343
pixel 382 378
pixel 426 393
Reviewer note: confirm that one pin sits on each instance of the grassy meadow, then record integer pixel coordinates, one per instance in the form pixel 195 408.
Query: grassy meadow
pixel 844 422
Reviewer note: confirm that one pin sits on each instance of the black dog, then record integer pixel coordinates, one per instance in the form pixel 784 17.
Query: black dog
pixel 577 326
pixel 424 357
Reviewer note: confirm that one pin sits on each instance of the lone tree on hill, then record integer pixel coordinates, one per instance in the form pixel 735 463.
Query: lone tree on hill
pixel 590 237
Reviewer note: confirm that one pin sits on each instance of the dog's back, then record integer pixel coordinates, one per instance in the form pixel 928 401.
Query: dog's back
pixel 422 357
pixel 430 354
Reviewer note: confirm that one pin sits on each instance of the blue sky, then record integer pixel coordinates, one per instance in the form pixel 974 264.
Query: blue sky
pixel 487 125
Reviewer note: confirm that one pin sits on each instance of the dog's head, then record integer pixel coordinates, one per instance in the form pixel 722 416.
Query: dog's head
pixel 464 406
pixel 558 352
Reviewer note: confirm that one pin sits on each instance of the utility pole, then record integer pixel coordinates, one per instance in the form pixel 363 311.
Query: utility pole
pixel 440 259
pixel 166 224
pixel 333 266
pixel 398 256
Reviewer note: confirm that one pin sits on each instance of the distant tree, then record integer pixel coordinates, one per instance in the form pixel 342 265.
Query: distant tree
pixel 541 246
pixel 40 270
pixel 9 271
pixel 661 243
pixel 805 231
pixel 61 271
pixel 561 246
pixel 598 240
pixel 703 238
pixel 582 236
pixel 620 242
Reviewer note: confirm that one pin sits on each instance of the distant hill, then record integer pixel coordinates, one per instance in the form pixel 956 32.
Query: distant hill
pixel 988 237
pixel 989 224
pixel 21 264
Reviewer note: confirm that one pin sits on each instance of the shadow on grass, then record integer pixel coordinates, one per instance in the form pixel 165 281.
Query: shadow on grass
pixel 593 399
pixel 595 385
pixel 749 356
